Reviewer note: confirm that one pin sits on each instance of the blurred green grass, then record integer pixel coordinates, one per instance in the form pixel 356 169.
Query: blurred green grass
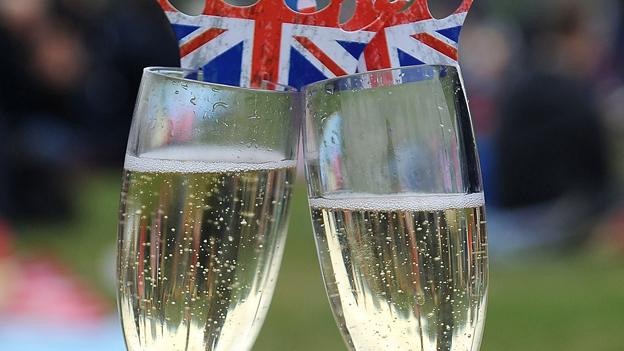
pixel 573 302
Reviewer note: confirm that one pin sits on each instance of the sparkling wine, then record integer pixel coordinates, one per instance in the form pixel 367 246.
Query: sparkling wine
pixel 200 246
pixel 405 272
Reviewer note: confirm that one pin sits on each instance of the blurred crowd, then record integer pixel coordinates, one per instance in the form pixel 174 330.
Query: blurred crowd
pixel 546 101
pixel 71 69
pixel 545 80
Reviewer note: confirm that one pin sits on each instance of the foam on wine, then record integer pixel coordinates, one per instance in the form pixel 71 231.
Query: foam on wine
pixel 203 159
pixel 402 202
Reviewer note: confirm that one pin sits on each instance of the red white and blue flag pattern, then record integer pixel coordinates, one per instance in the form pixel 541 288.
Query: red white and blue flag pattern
pixel 414 37
pixel 291 43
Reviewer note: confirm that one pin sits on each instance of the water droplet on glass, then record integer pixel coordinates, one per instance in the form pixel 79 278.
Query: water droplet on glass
pixel 220 104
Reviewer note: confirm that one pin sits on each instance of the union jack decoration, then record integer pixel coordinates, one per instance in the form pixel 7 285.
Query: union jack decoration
pixel 266 41
pixel 295 44
pixel 415 37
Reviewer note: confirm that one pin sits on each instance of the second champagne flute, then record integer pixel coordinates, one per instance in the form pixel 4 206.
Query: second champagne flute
pixel 206 190
pixel 398 208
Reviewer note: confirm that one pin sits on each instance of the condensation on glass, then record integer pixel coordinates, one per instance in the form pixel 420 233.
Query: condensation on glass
pixel 207 181
pixel 398 208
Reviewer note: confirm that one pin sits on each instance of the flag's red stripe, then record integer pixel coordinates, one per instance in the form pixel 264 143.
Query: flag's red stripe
pixel 437 44
pixel 200 40
pixel 376 52
pixel 321 56
pixel 266 47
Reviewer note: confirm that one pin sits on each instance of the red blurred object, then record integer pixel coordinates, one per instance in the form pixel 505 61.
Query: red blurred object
pixel 45 292
pixel 41 290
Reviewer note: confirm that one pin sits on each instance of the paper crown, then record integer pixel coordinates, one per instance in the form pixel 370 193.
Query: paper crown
pixel 269 41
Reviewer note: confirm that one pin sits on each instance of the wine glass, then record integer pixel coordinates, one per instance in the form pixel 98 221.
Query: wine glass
pixel 206 188
pixel 397 205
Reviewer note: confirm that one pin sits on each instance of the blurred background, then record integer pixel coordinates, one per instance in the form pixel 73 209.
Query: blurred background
pixel 546 86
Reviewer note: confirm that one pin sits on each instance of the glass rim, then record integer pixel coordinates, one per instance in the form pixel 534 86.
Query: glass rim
pixel 315 85
pixel 167 72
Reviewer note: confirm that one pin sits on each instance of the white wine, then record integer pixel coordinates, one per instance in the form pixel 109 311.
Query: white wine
pixel 405 272
pixel 200 246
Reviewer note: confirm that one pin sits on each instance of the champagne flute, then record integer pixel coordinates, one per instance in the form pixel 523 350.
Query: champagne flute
pixel 398 208
pixel 204 205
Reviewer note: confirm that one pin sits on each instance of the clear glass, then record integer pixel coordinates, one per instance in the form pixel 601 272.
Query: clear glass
pixel 204 205
pixel 398 208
